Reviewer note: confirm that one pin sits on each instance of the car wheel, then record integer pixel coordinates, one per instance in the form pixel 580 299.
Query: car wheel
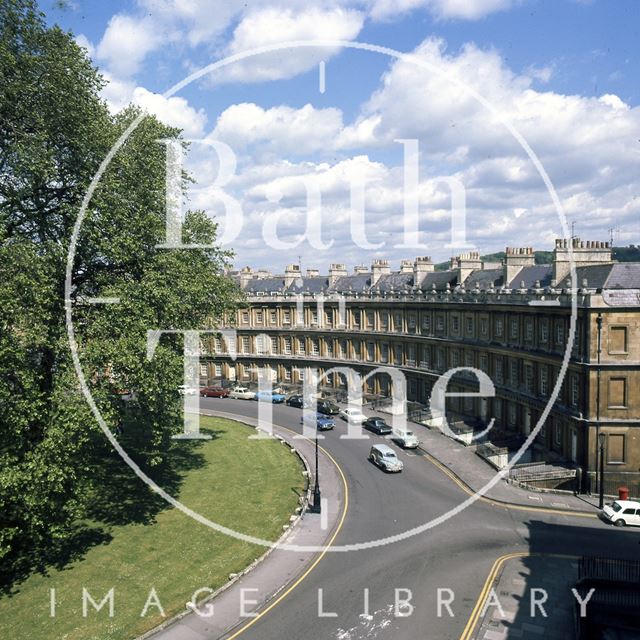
pixel 619 522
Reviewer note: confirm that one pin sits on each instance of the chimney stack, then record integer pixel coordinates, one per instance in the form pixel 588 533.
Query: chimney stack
pixel 406 266
pixel 421 267
pixel 246 274
pixel 466 263
pixel 291 274
pixel 336 270
pixel 379 268
pixel 516 258
pixel 587 253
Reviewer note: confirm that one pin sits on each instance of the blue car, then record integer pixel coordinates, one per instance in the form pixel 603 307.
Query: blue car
pixel 270 396
pixel 321 422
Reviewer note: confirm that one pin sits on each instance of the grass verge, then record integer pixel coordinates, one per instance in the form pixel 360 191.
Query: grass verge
pixel 249 485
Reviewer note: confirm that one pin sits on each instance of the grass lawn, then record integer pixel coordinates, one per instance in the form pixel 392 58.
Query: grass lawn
pixel 251 486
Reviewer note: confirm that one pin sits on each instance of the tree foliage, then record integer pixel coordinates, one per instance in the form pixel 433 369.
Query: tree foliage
pixel 54 132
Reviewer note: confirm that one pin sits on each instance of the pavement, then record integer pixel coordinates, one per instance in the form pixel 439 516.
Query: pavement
pixel 359 588
pixel 237 604
pixel 475 473
pixel 509 612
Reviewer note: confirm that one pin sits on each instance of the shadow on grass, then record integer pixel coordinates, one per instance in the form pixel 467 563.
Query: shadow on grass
pixel 116 497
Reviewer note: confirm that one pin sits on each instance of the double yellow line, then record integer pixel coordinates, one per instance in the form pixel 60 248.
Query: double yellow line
pixel 496 503
pixel 475 614
pixel 282 596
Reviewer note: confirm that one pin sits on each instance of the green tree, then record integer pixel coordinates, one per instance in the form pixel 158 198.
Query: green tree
pixel 54 132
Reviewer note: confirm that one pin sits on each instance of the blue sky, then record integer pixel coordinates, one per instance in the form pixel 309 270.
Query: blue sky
pixel 564 73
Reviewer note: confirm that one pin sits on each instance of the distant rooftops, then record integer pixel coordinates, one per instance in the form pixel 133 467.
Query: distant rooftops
pixel 595 269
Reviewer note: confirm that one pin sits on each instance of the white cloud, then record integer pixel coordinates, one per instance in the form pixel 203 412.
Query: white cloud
pixel 174 111
pixel 85 43
pixel 117 92
pixel 442 9
pixel 434 105
pixel 126 42
pixel 273 26
pixel 282 128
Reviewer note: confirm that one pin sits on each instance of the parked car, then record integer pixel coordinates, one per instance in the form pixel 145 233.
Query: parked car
pixel 295 401
pixel 383 456
pixel 405 438
pixel 242 393
pixel 377 425
pixel 353 415
pixel 622 512
pixel 214 392
pixel 328 408
pixel 320 421
pixel 270 396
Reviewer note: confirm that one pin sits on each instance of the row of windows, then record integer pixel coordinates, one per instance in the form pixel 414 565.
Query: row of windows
pixel 532 377
pixel 426 322
pixel 528 329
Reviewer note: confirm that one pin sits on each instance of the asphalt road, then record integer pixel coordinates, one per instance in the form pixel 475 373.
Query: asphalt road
pixel 456 555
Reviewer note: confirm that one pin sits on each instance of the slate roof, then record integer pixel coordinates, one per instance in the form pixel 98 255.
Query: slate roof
pixel 440 279
pixel 485 278
pixel 624 275
pixel 309 284
pixel 358 282
pixel 596 275
pixel 614 276
pixel 393 282
pixel 265 285
pixel 531 275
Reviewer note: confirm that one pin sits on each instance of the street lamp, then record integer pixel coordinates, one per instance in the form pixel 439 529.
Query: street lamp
pixel 316 506
pixel 601 439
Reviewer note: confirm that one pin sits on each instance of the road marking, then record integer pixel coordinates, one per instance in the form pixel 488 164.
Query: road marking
pixel 538 498
pixel 497 566
pixel 496 503
pixel 488 583
pixel 316 561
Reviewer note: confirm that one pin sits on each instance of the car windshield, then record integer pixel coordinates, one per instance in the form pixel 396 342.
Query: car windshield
pixel 410 433
pixel 616 507
pixel 389 454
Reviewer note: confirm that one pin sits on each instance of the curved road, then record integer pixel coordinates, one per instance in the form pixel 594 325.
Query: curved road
pixel 456 555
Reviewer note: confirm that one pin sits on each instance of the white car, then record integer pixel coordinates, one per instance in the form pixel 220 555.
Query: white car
pixel 242 393
pixel 352 415
pixel 622 512
pixel 405 438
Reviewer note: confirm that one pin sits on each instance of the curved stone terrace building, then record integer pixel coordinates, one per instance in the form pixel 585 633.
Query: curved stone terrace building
pixel 511 320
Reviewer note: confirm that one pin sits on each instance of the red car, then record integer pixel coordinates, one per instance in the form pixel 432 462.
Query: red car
pixel 214 392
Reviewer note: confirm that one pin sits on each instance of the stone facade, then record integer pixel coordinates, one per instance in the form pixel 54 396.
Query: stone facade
pixel 512 321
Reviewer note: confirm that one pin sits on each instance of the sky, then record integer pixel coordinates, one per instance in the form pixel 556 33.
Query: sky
pixel 458 141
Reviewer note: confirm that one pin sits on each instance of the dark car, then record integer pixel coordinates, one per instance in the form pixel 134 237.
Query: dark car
pixel 214 392
pixel 377 425
pixel 322 423
pixel 295 401
pixel 328 408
